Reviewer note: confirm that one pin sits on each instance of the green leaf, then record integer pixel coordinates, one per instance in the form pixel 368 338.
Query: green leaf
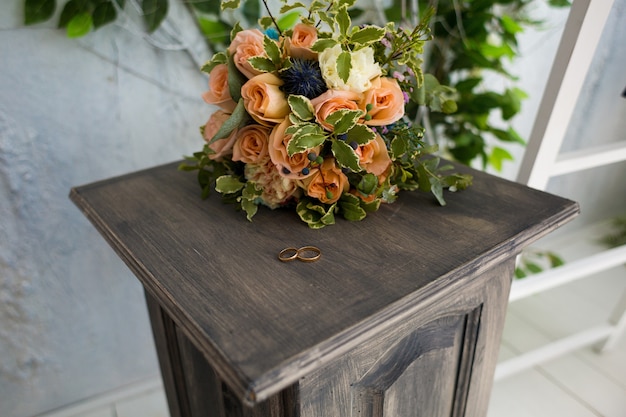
pixel 343 20
pixel 368 184
pixel 304 142
pixel 351 208
pixel 367 35
pixel 79 26
pixel 104 13
pixel 235 80
pixel 289 20
pixel 519 273
pixel 360 134
pixel 555 260
pixel 215 31
pixel 287 7
pixel 344 65
pixel 218 58
pixel 265 22
pixel 436 188
pixel 345 155
pixel 344 120
pixel 228 184
pixel 271 49
pixel 533 267
pixel 316 215
pixel 36 11
pixel 205 6
pixel 250 207
pixel 301 106
pixel 260 63
pixel 251 10
pixel 323 43
pixel 236 119
pixel 399 146
pixel 71 9
pixel 498 156
pixel 510 25
pixel 229 4
pixel 154 11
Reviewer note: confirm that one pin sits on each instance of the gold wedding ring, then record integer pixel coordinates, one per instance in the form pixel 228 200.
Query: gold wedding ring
pixel 309 254
pixel 288 254
pixel 303 254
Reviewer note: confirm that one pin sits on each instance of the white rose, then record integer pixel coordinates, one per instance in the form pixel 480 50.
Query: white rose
pixel 363 70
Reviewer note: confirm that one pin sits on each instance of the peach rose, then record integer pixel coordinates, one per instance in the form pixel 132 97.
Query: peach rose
pixel 246 44
pixel 251 144
pixel 289 166
pixel 264 100
pixel 221 147
pixel 277 190
pixel 218 93
pixel 302 38
pixel 331 101
pixel 328 183
pixel 387 101
pixel 374 157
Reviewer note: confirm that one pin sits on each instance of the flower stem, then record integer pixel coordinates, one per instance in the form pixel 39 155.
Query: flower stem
pixel 272 17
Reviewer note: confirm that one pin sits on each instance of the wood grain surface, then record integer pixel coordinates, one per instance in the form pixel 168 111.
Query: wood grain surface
pixel 263 324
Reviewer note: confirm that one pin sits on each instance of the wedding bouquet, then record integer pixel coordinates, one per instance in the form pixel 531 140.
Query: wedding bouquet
pixel 313 116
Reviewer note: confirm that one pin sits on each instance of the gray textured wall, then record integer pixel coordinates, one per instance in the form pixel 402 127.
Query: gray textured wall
pixel 72 317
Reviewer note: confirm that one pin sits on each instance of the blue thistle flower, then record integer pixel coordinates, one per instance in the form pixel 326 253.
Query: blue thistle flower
pixel 303 78
pixel 272 33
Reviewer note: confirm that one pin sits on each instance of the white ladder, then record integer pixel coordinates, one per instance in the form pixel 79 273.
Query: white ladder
pixel 542 161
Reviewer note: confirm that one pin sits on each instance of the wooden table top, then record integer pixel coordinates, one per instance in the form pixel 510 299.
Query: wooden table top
pixel 263 324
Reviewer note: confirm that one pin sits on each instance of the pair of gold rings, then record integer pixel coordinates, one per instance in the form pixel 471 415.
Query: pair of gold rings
pixel 303 254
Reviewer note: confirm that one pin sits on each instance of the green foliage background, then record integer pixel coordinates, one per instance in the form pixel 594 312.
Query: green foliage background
pixel 471 39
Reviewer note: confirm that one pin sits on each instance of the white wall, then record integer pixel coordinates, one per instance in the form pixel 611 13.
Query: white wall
pixel 72 317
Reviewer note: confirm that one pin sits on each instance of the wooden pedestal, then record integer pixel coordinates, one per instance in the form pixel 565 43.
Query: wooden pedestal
pixel 401 317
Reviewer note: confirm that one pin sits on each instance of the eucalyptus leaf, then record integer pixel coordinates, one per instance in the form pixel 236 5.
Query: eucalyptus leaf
pixel 37 11
pixel 154 12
